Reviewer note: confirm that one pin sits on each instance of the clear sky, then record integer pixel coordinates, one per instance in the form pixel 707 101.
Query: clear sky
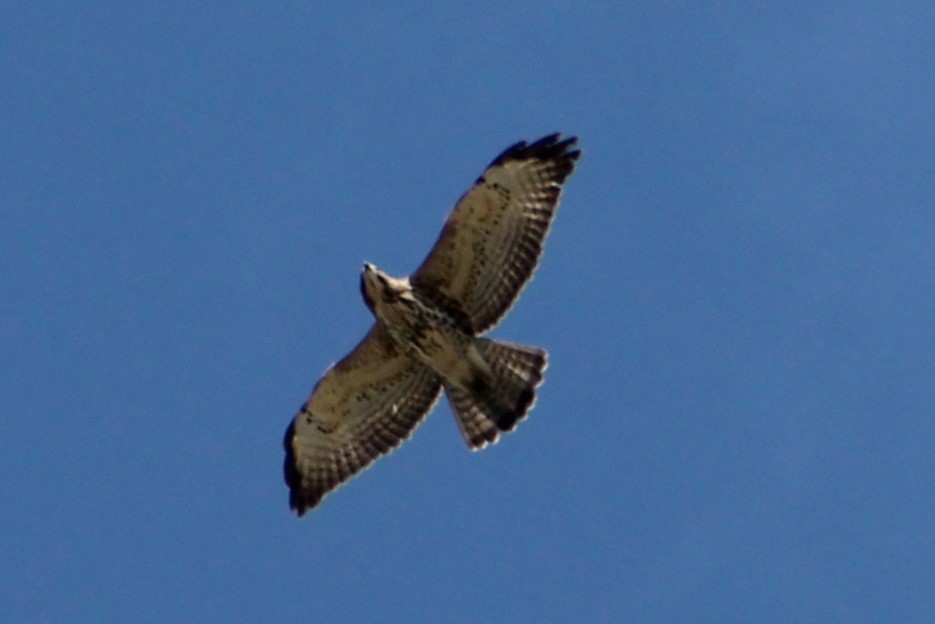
pixel 737 297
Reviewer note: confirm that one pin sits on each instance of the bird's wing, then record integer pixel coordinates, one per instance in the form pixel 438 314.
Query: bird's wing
pixel 491 243
pixel 361 409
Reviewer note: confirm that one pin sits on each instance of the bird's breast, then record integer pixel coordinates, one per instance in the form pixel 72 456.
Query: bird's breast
pixel 424 332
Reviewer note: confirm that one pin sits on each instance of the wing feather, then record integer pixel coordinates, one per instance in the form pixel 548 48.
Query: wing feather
pixel 491 243
pixel 361 409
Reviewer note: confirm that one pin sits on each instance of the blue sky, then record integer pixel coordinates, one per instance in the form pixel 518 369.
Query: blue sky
pixel 737 298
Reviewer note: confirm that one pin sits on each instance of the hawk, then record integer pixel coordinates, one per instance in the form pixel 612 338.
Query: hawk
pixel 428 331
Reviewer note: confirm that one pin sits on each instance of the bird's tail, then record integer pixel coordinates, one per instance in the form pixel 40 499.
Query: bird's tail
pixel 496 403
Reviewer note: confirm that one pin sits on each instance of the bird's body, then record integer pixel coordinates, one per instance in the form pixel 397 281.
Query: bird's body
pixel 443 341
pixel 428 332
pixel 423 330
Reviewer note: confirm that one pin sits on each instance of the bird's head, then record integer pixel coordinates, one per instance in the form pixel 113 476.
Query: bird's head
pixel 376 286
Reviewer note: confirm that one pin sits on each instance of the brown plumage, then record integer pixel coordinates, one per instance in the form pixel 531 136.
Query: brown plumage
pixel 428 328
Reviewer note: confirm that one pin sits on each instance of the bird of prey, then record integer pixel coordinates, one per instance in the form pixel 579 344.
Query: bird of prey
pixel 428 328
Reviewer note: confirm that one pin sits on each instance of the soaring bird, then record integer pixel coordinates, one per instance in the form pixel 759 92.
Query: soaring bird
pixel 428 331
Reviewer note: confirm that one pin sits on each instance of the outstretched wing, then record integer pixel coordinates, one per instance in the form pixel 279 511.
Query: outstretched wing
pixel 492 240
pixel 362 408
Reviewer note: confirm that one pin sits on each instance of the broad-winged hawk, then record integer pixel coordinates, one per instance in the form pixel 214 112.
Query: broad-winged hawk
pixel 428 331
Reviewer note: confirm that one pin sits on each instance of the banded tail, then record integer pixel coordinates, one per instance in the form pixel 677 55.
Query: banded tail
pixel 494 406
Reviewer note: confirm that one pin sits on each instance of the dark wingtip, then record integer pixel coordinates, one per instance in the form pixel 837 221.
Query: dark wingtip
pixel 289 471
pixel 297 505
pixel 549 147
pixel 299 501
